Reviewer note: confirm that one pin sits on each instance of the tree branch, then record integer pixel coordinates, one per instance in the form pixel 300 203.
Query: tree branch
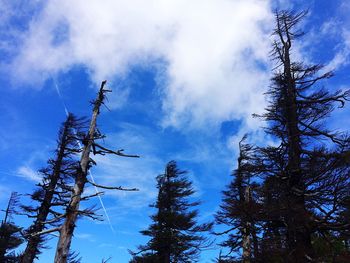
pixel 118 152
pixel 46 231
pixel 113 187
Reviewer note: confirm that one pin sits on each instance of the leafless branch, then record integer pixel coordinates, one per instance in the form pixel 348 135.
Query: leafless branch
pixel 113 187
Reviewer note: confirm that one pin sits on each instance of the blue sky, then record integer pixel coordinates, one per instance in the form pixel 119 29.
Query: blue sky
pixel 186 77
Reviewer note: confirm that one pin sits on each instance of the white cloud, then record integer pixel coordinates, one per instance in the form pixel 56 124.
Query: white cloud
pixel 209 54
pixel 28 173
pixel 341 58
pixel 284 4
pixel 337 30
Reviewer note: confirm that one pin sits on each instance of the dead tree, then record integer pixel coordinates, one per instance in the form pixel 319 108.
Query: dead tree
pixel 54 190
pixel 72 211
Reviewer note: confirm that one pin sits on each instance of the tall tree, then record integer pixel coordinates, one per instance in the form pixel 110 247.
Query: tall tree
pixel 307 170
pixel 89 146
pixel 10 236
pixel 175 234
pixel 54 191
pixel 239 210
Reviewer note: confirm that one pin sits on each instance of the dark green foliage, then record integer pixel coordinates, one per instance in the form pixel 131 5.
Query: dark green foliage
pixel 145 258
pixel 175 234
pixel 10 237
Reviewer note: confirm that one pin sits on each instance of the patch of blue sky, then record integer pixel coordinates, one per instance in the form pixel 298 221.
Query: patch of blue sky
pixel 229 128
pixel 60 33
pixel 15 20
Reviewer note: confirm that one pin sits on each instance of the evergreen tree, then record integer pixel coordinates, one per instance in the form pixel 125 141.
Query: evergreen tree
pixel 239 210
pixel 10 237
pixel 54 191
pixel 305 179
pixel 175 234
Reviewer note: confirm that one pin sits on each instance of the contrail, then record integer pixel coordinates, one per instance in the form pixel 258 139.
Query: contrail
pixel 61 98
pixel 89 172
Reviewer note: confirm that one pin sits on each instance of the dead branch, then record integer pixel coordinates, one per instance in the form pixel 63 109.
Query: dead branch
pixel 56 229
pixel 93 195
pixel 104 150
pixel 113 187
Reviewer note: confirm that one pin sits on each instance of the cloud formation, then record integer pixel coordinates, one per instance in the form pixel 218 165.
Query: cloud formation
pixel 210 56
pixel 28 173
pixel 337 28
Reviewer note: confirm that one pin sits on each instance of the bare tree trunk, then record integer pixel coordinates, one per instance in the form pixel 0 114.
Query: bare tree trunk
pixel 165 248
pixel 33 241
pixel 72 211
pixel 246 241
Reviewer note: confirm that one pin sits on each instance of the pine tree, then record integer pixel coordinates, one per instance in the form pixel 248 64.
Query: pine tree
pixel 239 210
pixel 175 234
pixel 306 181
pixel 10 237
pixel 54 191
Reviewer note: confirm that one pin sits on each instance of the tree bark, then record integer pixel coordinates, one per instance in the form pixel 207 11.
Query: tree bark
pixel 246 241
pixel 67 229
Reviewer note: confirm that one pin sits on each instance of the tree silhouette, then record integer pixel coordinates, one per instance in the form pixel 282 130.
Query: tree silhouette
pixel 54 191
pixel 304 175
pixel 239 210
pixel 175 234
pixel 10 237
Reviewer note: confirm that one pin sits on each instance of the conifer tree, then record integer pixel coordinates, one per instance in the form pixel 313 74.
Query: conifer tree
pixel 307 178
pixel 239 210
pixel 10 237
pixel 54 191
pixel 175 234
